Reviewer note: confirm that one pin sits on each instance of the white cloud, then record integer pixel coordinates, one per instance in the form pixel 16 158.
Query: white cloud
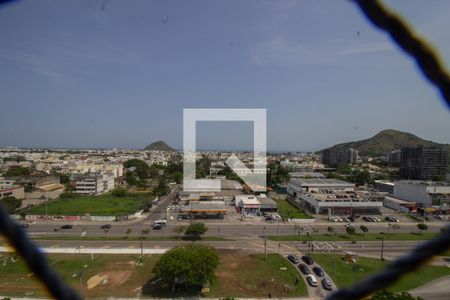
pixel 280 51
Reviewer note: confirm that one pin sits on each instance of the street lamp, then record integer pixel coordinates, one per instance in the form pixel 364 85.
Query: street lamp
pixel 382 247
pixel 46 211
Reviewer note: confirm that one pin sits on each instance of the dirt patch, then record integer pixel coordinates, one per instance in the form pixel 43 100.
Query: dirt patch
pixel 109 278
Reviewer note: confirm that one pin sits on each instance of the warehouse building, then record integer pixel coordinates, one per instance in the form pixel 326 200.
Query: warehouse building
pixel 320 196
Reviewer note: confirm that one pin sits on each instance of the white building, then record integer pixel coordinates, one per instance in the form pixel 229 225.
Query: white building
pixel 10 188
pixel 426 193
pixel 94 184
pixel 331 196
pixel 247 204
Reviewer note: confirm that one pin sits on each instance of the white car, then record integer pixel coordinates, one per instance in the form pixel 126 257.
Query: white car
pixel 312 280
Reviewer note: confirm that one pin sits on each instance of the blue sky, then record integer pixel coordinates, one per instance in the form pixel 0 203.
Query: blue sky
pixel 119 73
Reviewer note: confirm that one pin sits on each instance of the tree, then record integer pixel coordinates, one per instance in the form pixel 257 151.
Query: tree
pixel 386 295
pixel 138 170
pixel 422 227
pixel 364 228
pixel 17 171
pixel 119 192
pixel 187 266
pixel 64 179
pixel 350 230
pixel 162 188
pixel 11 203
pixel 195 230
pixel 330 229
pixel 179 230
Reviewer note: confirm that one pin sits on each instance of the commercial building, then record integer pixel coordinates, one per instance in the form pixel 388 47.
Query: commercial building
pixel 332 196
pixel 205 208
pixel 267 204
pixel 247 204
pixel 424 193
pixel 423 163
pixel 9 188
pixel 399 204
pixel 94 184
pixel 306 175
pixel 384 186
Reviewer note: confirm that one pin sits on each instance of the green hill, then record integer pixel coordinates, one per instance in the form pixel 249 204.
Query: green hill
pixel 159 146
pixel 385 141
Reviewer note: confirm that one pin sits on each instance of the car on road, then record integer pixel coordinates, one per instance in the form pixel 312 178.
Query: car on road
pixel 156 226
pixel 312 280
pixel 160 222
pixel 106 226
pixel 318 271
pixel 308 260
pixel 294 259
pixel 326 283
pixel 66 226
pixel 24 225
pixel 391 219
pixel 304 269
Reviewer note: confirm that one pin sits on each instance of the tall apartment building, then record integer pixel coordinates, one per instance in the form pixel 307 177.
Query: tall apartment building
pixel 393 157
pixel 423 163
pixel 334 157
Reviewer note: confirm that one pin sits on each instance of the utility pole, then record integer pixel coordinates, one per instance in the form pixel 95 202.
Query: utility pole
pixel 142 250
pixel 81 284
pixel 382 247
pixel 265 244
pixel 46 212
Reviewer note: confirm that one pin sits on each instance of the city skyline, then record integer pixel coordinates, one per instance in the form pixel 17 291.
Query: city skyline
pixel 119 75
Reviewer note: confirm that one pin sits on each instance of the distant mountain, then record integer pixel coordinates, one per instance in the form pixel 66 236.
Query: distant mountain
pixel 159 146
pixel 385 141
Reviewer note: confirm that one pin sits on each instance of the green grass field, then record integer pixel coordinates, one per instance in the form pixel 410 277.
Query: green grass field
pixel 287 210
pixel 347 273
pixel 413 236
pixel 239 274
pixel 16 280
pixel 104 205
pixel 244 275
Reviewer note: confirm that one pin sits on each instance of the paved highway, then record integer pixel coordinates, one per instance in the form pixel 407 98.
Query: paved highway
pixel 243 229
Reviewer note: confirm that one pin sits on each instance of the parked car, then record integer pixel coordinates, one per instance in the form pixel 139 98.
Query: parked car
pixel 106 226
pixel 312 280
pixel 179 218
pixel 318 271
pixel 326 283
pixel 304 269
pixel 66 226
pixel 24 225
pixel 376 219
pixel 366 218
pixel 308 260
pixel 438 217
pixel 293 258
